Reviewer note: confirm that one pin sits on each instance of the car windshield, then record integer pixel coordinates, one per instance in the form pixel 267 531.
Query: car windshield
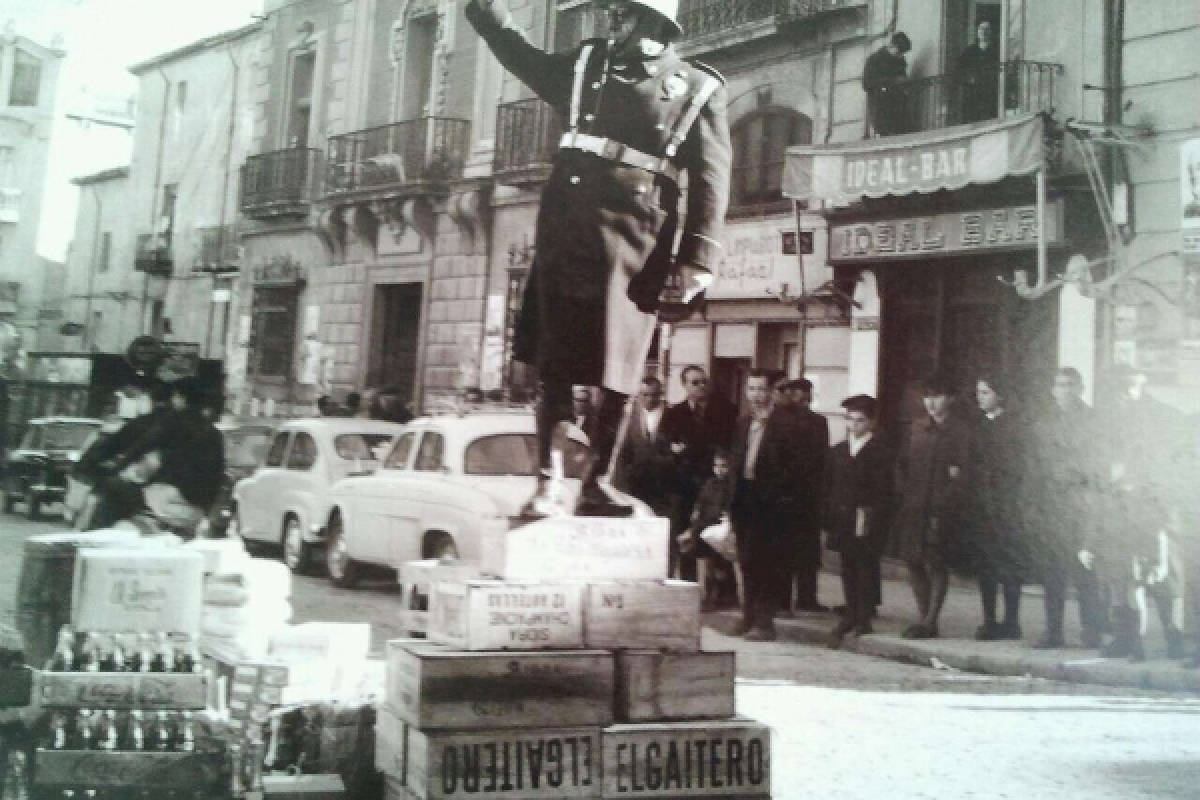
pixel 362 446
pixel 246 448
pixel 516 454
pixel 65 435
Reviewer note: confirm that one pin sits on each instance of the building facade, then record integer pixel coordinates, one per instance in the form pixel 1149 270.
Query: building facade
pixel 28 83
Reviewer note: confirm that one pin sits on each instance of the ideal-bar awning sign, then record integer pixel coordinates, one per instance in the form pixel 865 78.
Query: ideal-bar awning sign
pixel 982 153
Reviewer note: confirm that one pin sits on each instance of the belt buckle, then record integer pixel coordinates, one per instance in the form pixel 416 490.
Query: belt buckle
pixel 569 138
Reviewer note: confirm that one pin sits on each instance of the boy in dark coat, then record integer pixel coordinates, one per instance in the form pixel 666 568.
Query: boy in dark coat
pixel 930 484
pixel 712 505
pixel 858 497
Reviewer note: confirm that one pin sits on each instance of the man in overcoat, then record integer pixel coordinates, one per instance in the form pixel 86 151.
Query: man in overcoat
pixel 858 500
pixel 884 76
pixel 764 503
pixel 810 467
pixel 637 116
pixel 645 465
pixel 695 428
pixel 930 485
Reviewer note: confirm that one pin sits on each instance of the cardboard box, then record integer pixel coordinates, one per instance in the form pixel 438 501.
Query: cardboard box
pixel 687 759
pixel 422 575
pixel 526 764
pixel 496 615
pixel 580 549
pixel 653 686
pixel 142 770
pixel 149 691
pixel 649 614
pixel 321 641
pixel 391 742
pixel 434 688
pixel 120 590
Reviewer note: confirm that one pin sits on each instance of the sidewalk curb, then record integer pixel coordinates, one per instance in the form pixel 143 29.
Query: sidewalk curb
pixel 1069 666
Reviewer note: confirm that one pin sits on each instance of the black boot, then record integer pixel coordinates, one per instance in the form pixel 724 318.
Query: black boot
pixel 545 502
pixel 594 499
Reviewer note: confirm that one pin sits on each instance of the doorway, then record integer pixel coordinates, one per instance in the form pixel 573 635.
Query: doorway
pixel 396 330
pixel 955 318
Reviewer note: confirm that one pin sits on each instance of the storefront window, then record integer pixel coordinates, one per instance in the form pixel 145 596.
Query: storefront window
pixel 275 311
pixel 760 142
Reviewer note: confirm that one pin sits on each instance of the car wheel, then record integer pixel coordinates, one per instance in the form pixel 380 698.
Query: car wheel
pixel 297 553
pixel 441 546
pixel 343 570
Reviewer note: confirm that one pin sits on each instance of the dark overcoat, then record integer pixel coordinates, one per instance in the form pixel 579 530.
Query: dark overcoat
pixel 1068 476
pixel 862 481
pixel 605 230
pixel 645 465
pixel 996 525
pixel 930 487
pixel 810 468
pixel 700 436
pixel 777 474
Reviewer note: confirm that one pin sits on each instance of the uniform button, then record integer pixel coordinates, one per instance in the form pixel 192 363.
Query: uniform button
pixel 589 117
pixel 574 179
pixel 660 127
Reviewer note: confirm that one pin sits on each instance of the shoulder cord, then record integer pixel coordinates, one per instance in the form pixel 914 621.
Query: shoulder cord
pixel 684 125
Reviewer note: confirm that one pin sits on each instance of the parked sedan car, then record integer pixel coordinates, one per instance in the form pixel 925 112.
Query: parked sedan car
pixel 286 500
pixel 36 471
pixel 447 482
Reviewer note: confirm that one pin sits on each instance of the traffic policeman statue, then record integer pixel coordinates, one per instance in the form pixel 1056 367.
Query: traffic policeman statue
pixel 642 125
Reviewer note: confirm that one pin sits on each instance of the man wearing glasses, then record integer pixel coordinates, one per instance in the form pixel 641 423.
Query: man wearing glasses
pixel 637 116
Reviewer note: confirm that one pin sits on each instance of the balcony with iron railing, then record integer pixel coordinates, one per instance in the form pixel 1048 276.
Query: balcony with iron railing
pixel 722 23
pixel 940 101
pixel 153 255
pixel 414 155
pixel 280 183
pixel 527 135
pixel 218 249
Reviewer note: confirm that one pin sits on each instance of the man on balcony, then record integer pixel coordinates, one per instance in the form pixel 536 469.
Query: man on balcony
pixel 883 80
pixel 637 115
pixel 979 73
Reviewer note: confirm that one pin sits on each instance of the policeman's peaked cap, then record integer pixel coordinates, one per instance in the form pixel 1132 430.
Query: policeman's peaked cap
pixel 667 9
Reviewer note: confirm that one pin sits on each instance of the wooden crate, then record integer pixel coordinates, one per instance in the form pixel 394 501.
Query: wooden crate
pixel 143 770
pixel 496 615
pixel 526 764
pixel 653 686
pixel 303 787
pixel 676 759
pixel 647 614
pixel 151 691
pixel 434 688
pixel 391 742
pixel 580 549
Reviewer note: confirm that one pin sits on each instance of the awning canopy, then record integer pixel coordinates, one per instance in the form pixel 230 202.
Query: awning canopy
pixel 983 152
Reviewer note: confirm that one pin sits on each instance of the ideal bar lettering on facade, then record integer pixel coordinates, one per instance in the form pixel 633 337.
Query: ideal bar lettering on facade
pixel 945 234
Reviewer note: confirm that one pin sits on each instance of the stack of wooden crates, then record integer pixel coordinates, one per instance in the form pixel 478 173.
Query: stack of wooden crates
pixel 576 672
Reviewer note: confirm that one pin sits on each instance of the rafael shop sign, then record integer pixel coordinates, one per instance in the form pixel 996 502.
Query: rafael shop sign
pixel 986 230
pixel 756 261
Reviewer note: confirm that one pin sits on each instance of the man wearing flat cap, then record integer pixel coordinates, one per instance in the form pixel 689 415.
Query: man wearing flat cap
pixel 811 456
pixel 639 121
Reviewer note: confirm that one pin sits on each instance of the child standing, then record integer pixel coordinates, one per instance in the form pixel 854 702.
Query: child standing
pixel 712 508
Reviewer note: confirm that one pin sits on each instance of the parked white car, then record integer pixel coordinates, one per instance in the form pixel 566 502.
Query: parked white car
pixel 286 501
pixel 447 482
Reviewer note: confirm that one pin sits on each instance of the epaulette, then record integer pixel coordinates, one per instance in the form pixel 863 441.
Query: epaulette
pixel 700 65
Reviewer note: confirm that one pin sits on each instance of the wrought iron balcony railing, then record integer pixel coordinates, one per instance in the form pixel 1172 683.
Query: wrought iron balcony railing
pixel 419 152
pixel 153 254
pixel 939 101
pixel 218 249
pixel 280 183
pixel 700 18
pixel 527 134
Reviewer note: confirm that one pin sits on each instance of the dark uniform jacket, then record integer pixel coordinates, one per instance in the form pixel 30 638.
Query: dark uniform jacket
pixel 606 230
pixel 645 466
pixel 862 481
pixel 930 485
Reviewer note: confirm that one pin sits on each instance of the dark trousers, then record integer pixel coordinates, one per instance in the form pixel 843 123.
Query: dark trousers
pixel 762 550
pixel 860 572
pixel 1061 571
pixel 806 564
pixel 681 519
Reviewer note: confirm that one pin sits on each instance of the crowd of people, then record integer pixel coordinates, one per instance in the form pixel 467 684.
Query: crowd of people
pixel 385 404
pixel 1010 491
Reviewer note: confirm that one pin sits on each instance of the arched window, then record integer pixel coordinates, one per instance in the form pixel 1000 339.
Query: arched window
pixel 760 142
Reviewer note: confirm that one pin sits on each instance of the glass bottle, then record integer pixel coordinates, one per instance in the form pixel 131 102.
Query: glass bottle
pixel 108 740
pixel 57 740
pixel 187 658
pixel 162 733
pixel 186 740
pixel 163 659
pixel 136 740
pixel 84 736
pixel 89 661
pixel 142 659
pixel 63 659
